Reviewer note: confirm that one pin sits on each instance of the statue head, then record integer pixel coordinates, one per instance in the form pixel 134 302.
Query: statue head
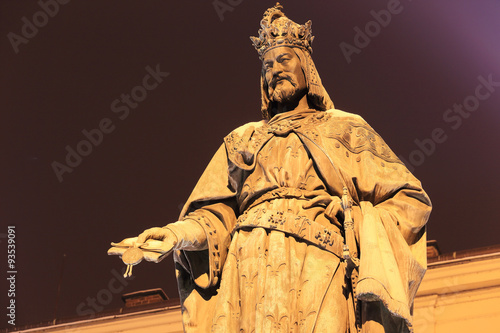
pixel 286 44
pixel 284 78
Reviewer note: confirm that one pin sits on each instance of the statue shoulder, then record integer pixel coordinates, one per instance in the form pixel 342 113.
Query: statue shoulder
pixel 244 142
pixel 339 115
pixel 245 132
pixel 354 133
pixel 248 127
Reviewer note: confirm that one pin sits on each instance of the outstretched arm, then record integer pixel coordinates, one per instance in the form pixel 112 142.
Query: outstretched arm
pixel 156 243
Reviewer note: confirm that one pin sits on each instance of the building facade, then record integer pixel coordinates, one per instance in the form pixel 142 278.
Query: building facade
pixel 460 293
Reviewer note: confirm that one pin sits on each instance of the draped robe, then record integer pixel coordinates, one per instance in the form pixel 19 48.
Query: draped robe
pixel 273 265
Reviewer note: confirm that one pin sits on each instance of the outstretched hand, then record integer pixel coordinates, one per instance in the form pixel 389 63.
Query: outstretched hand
pixel 155 244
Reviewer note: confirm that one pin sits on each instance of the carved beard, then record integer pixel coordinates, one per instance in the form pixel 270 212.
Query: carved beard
pixel 283 92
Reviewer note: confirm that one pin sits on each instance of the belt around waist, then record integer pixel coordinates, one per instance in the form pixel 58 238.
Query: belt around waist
pixel 297 226
pixel 284 193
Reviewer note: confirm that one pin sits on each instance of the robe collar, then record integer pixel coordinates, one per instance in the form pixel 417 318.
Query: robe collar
pixel 292 115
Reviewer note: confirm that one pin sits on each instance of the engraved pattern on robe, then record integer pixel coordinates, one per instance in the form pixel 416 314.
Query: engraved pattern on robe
pixel 271 281
pixel 390 213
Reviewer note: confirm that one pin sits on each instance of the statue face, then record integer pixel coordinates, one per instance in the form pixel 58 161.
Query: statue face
pixel 284 76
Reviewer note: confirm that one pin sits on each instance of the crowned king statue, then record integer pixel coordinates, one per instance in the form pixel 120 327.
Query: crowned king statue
pixel 305 221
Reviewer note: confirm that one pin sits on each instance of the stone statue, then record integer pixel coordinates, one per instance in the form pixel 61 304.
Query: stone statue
pixel 305 221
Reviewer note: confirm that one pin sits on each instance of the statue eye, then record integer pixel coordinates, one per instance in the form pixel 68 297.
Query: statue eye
pixel 268 65
pixel 283 58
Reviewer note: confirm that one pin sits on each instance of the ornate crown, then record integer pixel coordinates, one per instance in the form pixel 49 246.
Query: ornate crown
pixel 279 30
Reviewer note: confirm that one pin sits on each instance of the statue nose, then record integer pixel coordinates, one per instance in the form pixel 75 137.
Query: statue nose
pixel 277 67
pixel 276 71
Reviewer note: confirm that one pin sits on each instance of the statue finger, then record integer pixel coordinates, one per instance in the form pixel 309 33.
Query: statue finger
pixel 127 242
pixel 155 257
pixel 334 208
pixel 116 251
pixel 152 245
pixel 151 233
pixel 315 193
pixel 323 200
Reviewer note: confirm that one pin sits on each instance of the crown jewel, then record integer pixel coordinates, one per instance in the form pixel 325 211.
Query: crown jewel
pixel 279 30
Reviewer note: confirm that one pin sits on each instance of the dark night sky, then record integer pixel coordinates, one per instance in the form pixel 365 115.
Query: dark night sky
pixel 65 78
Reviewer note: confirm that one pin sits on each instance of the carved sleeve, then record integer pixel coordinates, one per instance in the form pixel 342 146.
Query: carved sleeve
pixel 190 235
pixel 212 206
